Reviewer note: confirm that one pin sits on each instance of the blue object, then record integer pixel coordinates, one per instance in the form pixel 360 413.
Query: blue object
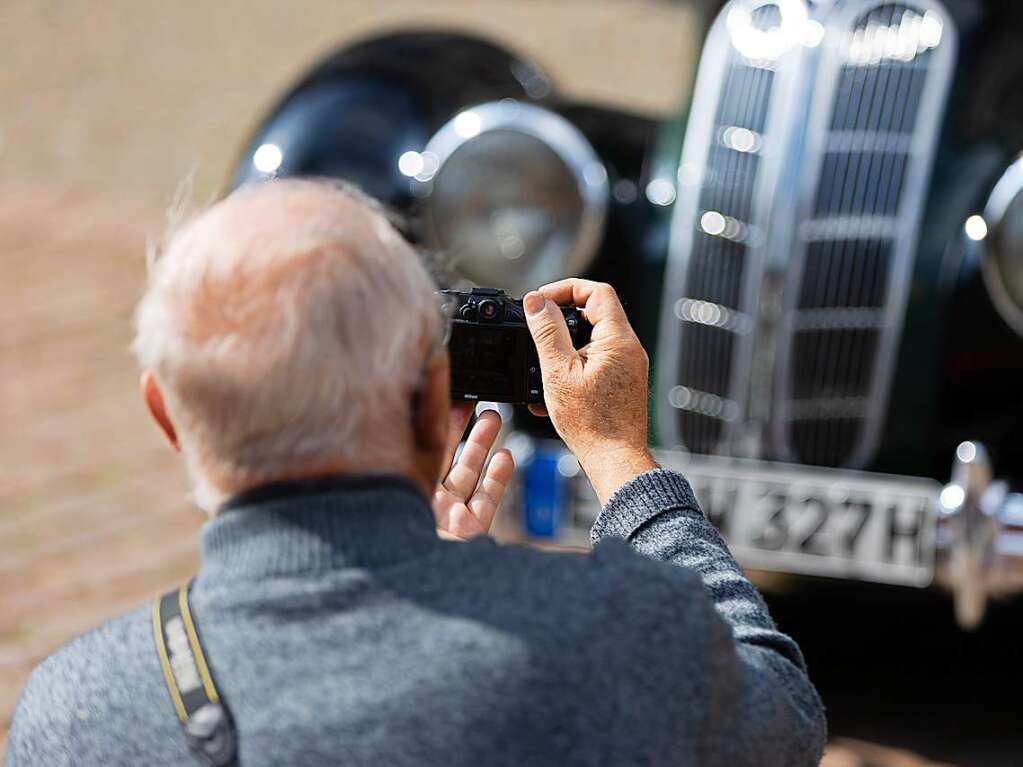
pixel 545 492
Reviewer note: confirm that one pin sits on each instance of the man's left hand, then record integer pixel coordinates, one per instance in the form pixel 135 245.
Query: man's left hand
pixel 463 505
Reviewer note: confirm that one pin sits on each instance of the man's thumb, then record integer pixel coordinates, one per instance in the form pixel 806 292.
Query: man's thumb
pixel 549 331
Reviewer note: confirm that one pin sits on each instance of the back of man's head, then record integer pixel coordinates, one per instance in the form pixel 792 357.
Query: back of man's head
pixel 287 327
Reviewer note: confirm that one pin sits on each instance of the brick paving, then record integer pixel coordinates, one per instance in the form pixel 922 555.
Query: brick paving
pixel 93 516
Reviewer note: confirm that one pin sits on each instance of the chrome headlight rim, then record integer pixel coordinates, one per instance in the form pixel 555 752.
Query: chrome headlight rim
pixel 1006 191
pixel 549 128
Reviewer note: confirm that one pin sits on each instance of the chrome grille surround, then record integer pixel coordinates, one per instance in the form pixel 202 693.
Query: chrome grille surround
pixel 862 187
pixel 740 325
pixel 731 161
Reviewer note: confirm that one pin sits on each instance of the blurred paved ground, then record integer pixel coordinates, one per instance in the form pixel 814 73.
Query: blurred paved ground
pixel 92 511
pixel 104 109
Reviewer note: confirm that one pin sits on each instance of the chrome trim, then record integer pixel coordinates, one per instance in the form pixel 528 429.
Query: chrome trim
pixel 699 134
pixel 833 319
pixel 1005 191
pixel 980 536
pixel 563 138
pixel 850 227
pixel 844 18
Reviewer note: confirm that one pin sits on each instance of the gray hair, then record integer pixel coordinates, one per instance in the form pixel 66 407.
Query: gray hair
pixel 288 327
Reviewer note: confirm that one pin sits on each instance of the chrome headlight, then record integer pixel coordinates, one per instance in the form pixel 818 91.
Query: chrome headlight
pixel 1002 229
pixel 513 193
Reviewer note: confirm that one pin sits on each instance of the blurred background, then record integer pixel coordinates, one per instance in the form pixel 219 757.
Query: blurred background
pixel 108 110
pixel 105 112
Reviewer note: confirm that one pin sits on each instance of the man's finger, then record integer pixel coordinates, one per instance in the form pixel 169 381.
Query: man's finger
pixel 598 299
pixel 461 412
pixel 549 331
pixel 571 290
pixel 540 411
pixel 487 499
pixel 465 474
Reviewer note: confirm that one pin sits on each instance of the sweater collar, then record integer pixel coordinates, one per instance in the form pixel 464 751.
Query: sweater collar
pixel 317 525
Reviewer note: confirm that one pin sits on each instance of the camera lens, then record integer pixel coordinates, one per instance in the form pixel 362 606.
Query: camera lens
pixel 489 309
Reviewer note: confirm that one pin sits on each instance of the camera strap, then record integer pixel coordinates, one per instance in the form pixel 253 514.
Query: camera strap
pixel 205 718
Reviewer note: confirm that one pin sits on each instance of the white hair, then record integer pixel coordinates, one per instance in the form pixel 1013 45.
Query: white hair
pixel 288 328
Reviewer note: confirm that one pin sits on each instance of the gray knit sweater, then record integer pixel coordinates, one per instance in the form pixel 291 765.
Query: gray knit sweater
pixel 342 631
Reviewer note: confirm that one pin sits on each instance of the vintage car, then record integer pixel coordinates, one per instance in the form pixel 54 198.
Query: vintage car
pixel 823 254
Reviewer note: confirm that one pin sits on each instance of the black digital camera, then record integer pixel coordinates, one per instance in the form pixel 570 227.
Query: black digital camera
pixel 493 356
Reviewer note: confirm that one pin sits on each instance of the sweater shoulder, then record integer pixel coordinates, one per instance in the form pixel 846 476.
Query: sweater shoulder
pixel 90 657
pixel 612 579
pixel 95 684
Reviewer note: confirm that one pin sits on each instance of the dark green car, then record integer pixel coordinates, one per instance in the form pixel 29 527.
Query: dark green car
pixel 823 254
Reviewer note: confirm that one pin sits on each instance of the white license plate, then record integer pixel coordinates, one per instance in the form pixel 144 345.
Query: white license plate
pixel 818 521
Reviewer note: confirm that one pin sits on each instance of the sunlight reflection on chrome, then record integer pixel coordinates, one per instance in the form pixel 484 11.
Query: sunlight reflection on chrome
pixel 714 315
pixel 704 403
pixel 740 139
pixel 766 45
pixel 467 124
pixel 713 223
pixel 913 35
pixel 410 163
pixel 975 228
pixel 813 33
pixel 660 191
pixel 268 158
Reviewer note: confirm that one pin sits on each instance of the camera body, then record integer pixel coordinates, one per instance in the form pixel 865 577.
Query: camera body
pixel 493 356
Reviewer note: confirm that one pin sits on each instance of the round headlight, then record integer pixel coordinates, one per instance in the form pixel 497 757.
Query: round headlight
pixel 1003 246
pixel 514 194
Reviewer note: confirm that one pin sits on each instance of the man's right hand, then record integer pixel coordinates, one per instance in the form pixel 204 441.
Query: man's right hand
pixel 596 396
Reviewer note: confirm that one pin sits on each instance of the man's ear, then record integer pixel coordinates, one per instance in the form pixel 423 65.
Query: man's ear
pixel 154 401
pixel 432 406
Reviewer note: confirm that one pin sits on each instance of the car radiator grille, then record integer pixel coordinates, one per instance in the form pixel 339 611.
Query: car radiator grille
pixel 833 133
pixel 713 309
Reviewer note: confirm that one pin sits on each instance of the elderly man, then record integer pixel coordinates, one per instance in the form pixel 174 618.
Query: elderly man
pixel 292 351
